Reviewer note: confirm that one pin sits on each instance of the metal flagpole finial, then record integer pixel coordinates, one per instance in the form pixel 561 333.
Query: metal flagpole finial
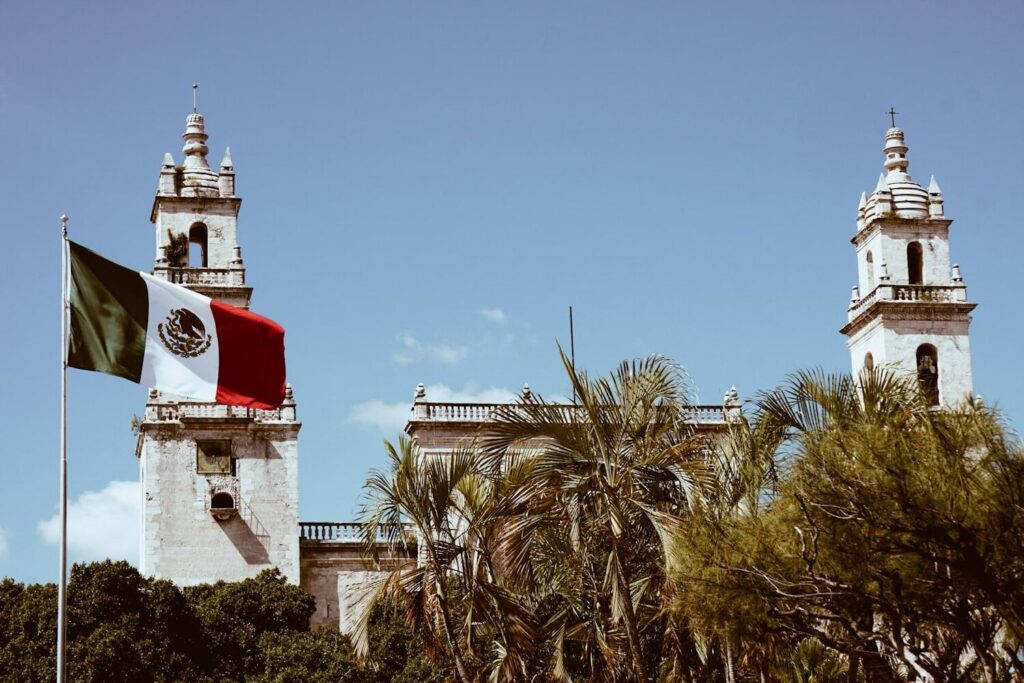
pixel 195 89
pixel 64 224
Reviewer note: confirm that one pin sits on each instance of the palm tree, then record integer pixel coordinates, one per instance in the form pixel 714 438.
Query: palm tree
pixel 420 492
pixel 619 470
pixel 470 518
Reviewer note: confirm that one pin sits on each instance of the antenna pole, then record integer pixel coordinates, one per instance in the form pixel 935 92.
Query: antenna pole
pixel 62 597
pixel 572 354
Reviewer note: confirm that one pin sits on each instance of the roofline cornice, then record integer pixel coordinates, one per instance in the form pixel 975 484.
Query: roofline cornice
pixel 910 310
pixel 194 201
pixel 877 224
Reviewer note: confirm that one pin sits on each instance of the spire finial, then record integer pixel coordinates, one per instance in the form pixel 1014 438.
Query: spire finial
pixel 195 89
pixel 896 162
pixel 198 179
pixel 892 115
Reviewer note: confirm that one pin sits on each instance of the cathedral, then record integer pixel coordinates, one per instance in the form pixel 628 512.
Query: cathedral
pixel 220 490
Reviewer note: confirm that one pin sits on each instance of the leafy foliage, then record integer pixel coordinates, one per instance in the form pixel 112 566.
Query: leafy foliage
pixel 176 250
pixel 125 627
pixel 845 531
pixel 892 538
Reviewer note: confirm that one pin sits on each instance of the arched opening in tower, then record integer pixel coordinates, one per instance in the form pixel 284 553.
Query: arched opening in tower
pixel 222 501
pixel 928 372
pixel 870 263
pixel 915 263
pixel 197 238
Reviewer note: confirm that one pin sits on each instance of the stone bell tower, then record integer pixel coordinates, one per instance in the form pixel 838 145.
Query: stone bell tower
pixel 910 309
pixel 219 483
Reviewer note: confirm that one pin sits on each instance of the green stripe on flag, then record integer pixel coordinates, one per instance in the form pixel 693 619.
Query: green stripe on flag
pixel 109 316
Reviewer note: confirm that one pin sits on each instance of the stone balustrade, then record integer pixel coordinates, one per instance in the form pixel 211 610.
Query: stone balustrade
pixel 456 412
pixel 230 277
pixel 175 411
pixel 929 293
pixel 483 412
pixel 340 532
pixel 910 293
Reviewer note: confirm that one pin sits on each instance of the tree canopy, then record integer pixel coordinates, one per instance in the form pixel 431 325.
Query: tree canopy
pixel 844 529
pixel 123 627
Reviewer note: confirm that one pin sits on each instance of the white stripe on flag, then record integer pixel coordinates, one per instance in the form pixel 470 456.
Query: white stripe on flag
pixel 181 357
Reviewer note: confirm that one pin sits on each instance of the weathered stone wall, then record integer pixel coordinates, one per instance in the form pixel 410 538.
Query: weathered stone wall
pixel 219 215
pixel 887 241
pixel 182 541
pixel 327 566
pixel 894 344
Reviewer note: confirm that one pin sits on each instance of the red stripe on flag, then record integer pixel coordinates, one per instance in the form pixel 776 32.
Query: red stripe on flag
pixel 251 358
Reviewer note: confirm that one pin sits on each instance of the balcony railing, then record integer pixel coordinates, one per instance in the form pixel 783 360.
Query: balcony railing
pixel 230 277
pixel 483 412
pixel 929 293
pixel 340 532
pixel 175 411
pixel 910 293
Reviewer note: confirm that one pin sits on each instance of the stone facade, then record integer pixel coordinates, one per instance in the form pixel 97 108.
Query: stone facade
pixel 335 571
pixel 188 540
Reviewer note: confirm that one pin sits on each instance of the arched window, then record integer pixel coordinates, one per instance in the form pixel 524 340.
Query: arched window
pixel 871 271
pixel 928 372
pixel 197 246
pixel 869 362
pixel 222 501
pixel 915 263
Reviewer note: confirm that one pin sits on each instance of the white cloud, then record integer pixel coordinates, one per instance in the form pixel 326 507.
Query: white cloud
pixel 4 547
pixel 412 350
pixel 387 417
pixel 391 417
pixel 494 315
pixel 101 524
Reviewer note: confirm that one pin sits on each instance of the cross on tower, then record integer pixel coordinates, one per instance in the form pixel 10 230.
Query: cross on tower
pixel 892 115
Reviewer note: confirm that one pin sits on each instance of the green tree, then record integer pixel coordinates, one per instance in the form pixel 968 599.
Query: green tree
pixel 125 627
pixel 893 536
pixel 425 494
pixel 544 543
pixel 28 632
pixel 618 474
pixel 321 656
pixel 234 616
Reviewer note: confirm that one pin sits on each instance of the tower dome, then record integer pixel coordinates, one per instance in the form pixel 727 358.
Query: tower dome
pixel 906 199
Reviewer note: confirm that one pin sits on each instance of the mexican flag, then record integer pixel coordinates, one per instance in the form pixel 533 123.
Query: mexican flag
pixel 166 336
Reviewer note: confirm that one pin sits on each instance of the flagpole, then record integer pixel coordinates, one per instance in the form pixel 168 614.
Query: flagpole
pixel 62 588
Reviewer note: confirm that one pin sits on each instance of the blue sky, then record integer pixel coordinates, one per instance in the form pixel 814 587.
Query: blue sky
pixel 428 186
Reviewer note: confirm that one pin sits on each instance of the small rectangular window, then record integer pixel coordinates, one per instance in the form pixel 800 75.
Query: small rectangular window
pixel 214 457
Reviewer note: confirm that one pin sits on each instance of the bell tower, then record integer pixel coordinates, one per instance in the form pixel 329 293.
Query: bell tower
pixel 219 483
pixel 909 310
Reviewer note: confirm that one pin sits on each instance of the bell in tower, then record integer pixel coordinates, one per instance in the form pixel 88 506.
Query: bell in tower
pixel 909 310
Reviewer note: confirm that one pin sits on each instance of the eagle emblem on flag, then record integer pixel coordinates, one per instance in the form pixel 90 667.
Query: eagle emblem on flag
pixel 184 334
